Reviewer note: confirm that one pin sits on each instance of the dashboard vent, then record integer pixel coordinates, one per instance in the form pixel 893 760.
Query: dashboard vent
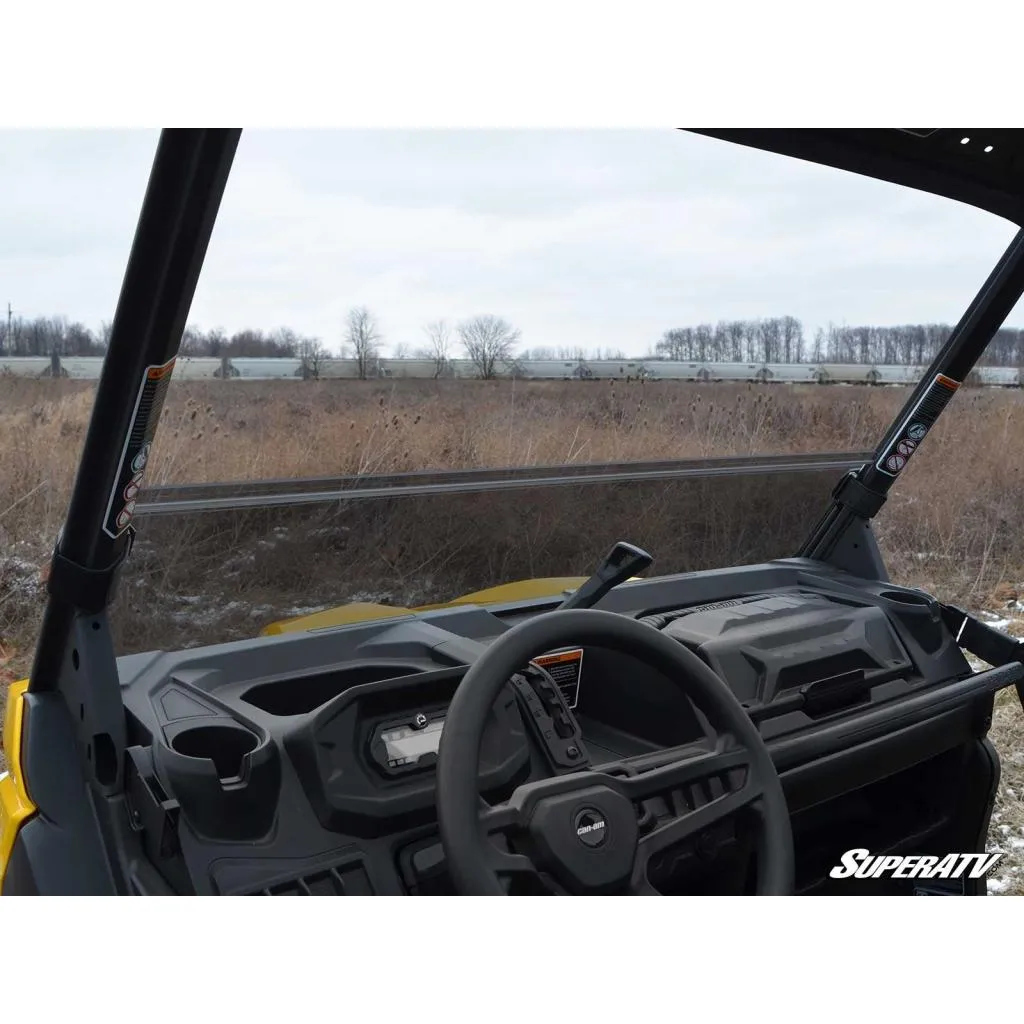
pixel 349 880
pixel 661 619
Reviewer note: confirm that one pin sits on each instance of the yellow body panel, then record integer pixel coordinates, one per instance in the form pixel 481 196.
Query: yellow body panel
pixel 358 612
pixel 347 615
pixel 15 805
pixel 505 593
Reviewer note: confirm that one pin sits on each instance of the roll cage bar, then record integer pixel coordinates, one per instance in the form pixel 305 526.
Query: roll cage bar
pixel 74 675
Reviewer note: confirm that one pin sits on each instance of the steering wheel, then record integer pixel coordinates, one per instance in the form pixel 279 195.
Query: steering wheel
pixel 584 829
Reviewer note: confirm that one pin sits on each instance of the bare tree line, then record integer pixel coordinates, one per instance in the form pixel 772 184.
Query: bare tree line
pixel 283 343
pixel 770 340
pixel 783 340
pixel 573 353
pixel 51 335
pixel 487 340
pixel 491 343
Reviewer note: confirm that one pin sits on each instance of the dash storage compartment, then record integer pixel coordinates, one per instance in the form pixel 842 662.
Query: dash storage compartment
pixel 300 695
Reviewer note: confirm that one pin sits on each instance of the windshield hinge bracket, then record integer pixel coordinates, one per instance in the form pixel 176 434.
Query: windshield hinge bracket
pixel 87 590
pixel 852 494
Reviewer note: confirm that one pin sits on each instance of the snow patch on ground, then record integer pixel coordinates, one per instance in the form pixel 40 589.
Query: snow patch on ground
pixel 1009 872
pixel 997 623
pixel 370 597
pixel 20 578
pixel 209 615
pixel 238 563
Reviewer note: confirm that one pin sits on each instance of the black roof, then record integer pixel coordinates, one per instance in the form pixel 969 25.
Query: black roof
pixel 983 167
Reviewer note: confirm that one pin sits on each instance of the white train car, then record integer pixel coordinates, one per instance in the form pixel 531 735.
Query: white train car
pixel 196 368
pixel 545 369
pixel 464 369
pixel 24 366
pixel 266 369
pixel 998 376
pixel 333 369
pixel 899 375
pixel 205 368
pixel 845 373
pixel 786 373
pixel 617 369
pixel 348 369
pixel 670 369
pixel 81 367
pixel 419 368
pixel 718 372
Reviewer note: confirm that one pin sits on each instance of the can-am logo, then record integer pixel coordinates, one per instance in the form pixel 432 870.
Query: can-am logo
pixel 862 864
pixel 591 827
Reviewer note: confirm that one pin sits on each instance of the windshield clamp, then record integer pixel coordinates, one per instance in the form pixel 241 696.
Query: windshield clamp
pixel 87 590
pixel 852 494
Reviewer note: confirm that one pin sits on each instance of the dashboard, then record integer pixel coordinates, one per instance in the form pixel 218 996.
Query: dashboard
pixel 303 764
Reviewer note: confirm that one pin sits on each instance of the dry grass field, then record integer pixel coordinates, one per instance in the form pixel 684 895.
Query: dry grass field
pixel 951 523
pixel 951 526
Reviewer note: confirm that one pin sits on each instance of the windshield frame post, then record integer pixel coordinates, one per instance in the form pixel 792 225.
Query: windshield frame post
pixel 860 495
pixel 186 184
pixel 74 728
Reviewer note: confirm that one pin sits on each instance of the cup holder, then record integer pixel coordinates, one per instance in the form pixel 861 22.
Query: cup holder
pixel 920 615
pixel 225 746
pixel 907 597
pixel 225 778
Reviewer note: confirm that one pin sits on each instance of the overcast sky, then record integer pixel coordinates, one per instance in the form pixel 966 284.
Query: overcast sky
pixel 590 238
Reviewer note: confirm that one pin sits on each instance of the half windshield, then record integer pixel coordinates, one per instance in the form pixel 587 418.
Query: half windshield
pixel 421 364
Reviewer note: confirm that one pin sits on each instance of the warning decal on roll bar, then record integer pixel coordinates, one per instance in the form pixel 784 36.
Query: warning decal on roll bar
pixel 131 469
pixel 913 429
pixel 565 667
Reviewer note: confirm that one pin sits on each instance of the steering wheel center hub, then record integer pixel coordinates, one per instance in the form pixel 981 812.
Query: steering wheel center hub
pixel 587 837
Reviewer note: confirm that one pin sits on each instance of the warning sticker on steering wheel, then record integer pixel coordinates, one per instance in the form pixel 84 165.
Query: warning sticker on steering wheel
pixel 566 669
